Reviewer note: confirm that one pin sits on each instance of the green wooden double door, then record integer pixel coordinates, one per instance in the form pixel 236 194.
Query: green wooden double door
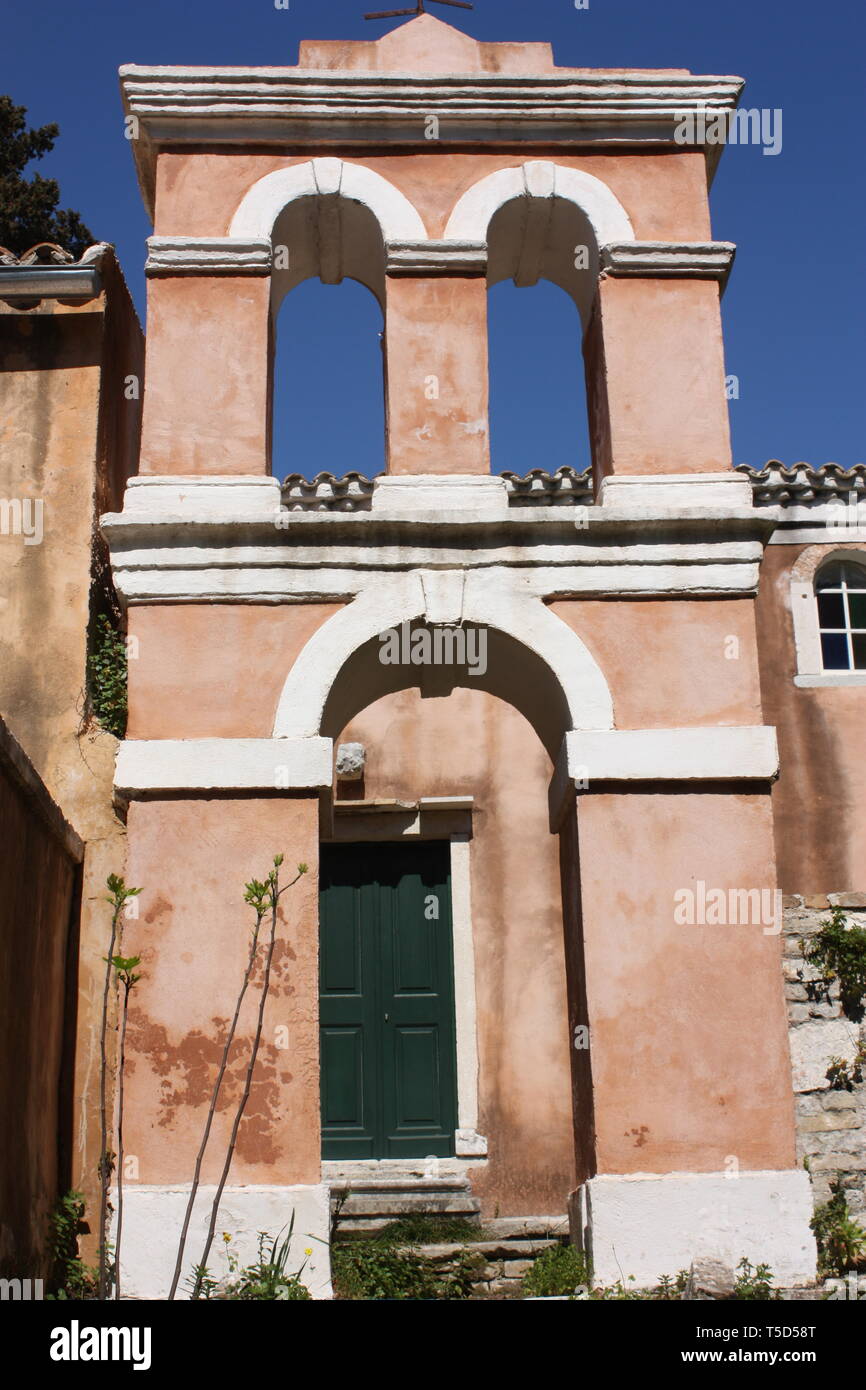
pixel 387 1050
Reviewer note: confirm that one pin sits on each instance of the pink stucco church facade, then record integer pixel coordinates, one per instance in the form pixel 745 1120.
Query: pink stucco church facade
pixel 594 762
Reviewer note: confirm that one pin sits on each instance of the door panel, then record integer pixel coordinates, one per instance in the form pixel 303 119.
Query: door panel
pixel 387 1001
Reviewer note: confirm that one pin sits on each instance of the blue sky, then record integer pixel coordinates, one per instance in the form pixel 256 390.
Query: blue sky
pixel 794 308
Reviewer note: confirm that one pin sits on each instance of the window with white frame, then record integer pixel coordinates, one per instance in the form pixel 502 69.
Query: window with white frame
pixel 840 595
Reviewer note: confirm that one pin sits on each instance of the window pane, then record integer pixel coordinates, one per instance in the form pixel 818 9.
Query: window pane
pixel 831 610
pixel 830 577
pixel 859 641
pixel 834 648
pixel 857 609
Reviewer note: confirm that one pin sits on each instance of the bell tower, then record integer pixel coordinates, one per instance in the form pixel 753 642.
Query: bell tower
pixel 598 765
pixel 428 190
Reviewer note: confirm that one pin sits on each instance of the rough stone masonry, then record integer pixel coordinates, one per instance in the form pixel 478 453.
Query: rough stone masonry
pixel 831 1120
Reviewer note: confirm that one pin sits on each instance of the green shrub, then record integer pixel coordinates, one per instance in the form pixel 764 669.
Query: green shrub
pixel 264 1281
pixel 754 1285
pixel 839 949
pixel 844 1075
pixel 841 1241
pixel 557 1271
pixel 71 1279
pixel 432 1230
pixel 378 1269
pixel 107 677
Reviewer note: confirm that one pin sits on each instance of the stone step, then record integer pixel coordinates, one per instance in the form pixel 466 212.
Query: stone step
pixel 499 1262
pixel 393 1170
pixel 395 1204
pixel 365 1205
pixel 445 1253
pixel 528 1227
pixel 510 1247
pixel 375 1185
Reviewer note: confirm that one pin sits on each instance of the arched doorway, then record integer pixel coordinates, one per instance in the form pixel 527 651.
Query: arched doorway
pixel 440 858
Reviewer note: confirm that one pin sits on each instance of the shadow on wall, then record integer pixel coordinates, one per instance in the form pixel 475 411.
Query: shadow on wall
pixel 39 904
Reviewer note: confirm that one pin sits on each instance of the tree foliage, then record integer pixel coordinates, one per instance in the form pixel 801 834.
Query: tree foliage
pixel 29 210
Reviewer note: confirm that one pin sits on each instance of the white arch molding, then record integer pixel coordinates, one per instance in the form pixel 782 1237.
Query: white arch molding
pixel 804 613
pixel 266 199
pixel 539 178
pixel 491 599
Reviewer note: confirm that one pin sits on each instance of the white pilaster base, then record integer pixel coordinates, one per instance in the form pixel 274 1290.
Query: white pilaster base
pixel 480 496
pixel 153 1216
pixel 716 491
pixel 646 1225
pixel 202 497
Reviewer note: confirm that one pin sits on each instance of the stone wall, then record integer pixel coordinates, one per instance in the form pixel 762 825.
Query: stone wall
pixel 831 1123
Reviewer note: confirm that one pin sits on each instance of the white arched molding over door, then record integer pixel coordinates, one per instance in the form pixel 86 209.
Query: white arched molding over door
pixel 491 599
pixel 539 178
pixel 263 203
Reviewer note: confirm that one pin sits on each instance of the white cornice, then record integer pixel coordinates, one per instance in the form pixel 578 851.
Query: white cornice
pixel 308 109
pixel 241 92
pixel 199 539
pixel 174 255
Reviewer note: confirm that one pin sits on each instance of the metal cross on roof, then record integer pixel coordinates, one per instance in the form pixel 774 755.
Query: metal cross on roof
pixel 419 9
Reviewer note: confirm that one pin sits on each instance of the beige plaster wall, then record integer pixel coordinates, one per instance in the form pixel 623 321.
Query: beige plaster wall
pixel 664 194
pixel 657 391
pixel 193 935
pixel 672 663
pixel 688 1033
pixel 214 670
pixel 820 798
pixel 207 408
pixel 68 436
pixel 437 397
pixel 657 388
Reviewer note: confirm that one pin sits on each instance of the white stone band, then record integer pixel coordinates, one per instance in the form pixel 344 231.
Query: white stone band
pixel 643 1225
pixel 437 258
pixel 165 766
pixel 745 753
pixel 171 255
pixel 153 1217
pixel 201 497
pixel 717 491
pixel 701 260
